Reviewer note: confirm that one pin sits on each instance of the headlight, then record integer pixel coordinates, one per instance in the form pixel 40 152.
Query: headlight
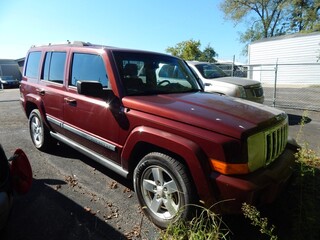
pixel 234 162
pixel 241 92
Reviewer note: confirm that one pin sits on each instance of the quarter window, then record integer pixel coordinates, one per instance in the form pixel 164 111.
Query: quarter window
pixel 32 65
pixel 88 67
pixel 53 69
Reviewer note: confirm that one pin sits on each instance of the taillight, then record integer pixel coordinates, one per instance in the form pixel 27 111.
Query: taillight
pixel 21 172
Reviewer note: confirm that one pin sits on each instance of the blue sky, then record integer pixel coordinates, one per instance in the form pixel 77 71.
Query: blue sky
pixel 140 24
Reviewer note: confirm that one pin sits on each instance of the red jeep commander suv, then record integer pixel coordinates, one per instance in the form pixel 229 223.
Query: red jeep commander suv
pixel 145 116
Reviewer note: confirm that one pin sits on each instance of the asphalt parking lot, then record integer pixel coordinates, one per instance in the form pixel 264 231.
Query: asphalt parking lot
pixel 73 197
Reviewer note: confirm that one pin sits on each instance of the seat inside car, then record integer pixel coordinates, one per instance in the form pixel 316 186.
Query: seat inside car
pixel 130 78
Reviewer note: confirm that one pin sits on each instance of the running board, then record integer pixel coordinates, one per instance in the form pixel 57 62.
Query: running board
pixel 89 153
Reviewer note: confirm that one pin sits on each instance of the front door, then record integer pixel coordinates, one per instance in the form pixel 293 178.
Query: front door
pixel 88 120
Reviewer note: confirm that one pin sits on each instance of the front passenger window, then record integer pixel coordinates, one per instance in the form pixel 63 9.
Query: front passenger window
pixel 88 67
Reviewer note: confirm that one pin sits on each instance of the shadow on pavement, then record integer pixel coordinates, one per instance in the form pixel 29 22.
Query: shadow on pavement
pixel 67 152
pixel 45 213
pixel 297 119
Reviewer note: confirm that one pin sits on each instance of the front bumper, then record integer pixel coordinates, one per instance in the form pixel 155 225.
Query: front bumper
pixel 257 188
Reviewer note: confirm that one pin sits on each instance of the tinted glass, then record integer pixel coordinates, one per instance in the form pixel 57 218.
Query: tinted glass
pixel 88 67
pixel 32 67
pixel 54 66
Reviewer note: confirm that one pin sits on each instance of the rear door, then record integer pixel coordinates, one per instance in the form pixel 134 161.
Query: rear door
pixel 50 85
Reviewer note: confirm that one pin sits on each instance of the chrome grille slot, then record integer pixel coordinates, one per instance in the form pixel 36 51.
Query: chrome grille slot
pixel 275 140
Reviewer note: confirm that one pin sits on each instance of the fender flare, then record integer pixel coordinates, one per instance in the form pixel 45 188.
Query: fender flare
pixel 196 161
pixel 36 100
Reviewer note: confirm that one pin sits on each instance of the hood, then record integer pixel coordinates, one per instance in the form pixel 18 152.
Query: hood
pixel 222 114
pixel 237 81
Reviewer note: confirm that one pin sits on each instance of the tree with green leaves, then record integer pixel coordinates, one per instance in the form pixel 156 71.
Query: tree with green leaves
pixel 304 16
pixel 269 18
pixel 190 50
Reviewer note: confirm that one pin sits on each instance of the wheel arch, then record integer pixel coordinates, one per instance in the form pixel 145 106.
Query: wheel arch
pixel 144 140
pixel 35 102
pixel 32 102
pixel 30 106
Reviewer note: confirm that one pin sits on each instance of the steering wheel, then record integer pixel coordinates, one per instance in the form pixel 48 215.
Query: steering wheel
pixel 163 81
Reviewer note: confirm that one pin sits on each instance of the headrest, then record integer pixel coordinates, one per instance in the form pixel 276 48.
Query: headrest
pixel 130 69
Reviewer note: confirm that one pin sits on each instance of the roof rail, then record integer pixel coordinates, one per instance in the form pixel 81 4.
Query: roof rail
pixel 81 43
pixel 75 43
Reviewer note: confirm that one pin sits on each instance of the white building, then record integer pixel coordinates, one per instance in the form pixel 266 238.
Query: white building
pixel 289 59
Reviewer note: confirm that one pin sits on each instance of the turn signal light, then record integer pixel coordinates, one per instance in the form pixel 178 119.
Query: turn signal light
pixel 229 168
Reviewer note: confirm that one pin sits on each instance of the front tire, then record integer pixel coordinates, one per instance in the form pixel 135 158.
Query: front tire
pixel 39 132
pixel 164 189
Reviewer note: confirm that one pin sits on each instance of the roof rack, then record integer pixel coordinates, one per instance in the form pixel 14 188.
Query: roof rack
pixel 74 43
pixel 81 43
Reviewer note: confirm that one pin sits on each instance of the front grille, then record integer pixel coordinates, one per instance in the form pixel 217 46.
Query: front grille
pixel 258 92
pixel 266 146
pixel 275 140
pixel 255 91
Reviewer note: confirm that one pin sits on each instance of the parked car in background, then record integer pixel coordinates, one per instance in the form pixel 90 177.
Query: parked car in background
pixel 217 81
pixel 10 75
pixel 8 82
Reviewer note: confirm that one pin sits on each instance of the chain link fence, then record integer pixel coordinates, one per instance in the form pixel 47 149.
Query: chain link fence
pixel 293 86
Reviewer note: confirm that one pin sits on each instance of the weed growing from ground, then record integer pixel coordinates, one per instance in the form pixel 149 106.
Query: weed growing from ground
pixel 256 220
pixel 307 158
pixel 206 226
pixel 305 189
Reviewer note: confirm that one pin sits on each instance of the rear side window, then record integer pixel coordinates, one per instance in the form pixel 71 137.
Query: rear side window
pixel 89 67
pixel 32 65
pixel 53 69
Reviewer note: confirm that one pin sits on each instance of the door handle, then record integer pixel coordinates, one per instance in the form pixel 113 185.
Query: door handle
pixel 70 101
pixel 41 92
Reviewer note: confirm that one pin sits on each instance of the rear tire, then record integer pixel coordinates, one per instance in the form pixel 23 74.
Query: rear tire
pixel 164 189
pixel 39 132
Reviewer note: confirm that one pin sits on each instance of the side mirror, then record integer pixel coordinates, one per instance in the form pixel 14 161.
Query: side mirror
pixel 90 88
pixel 94 89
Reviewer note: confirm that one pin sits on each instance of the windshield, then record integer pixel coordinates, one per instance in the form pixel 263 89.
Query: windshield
pixel 151 73
pixel 209 71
